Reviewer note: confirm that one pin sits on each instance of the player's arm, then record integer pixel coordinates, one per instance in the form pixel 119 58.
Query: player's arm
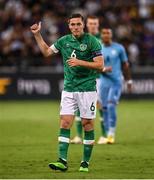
pixel 98 63
pixel 126 68
pixel 127 75
pixel 98 60
pixel 126 71
pixel 45 49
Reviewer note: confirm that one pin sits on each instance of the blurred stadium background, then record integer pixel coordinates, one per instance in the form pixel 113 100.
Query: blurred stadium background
pixel 26 126
pixel 25 73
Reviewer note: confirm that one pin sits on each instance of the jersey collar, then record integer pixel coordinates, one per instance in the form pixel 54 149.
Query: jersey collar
pixel 77 39
pixel 107 45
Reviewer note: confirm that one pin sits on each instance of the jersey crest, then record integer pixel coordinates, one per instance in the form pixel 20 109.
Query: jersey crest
pixel 83 47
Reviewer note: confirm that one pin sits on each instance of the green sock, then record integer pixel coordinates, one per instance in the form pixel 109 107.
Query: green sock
pixel 102 123
pixel 78 124
pixel 78 113
pixel 79 128
pixel 103 128
pixel 64 137
pixel 88 145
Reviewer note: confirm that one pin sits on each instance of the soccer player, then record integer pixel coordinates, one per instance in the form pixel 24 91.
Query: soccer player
pixel 82 58
pixel 111 82
pixel 92 25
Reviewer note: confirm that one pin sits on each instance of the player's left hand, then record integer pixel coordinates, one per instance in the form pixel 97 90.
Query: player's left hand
pixel 72 62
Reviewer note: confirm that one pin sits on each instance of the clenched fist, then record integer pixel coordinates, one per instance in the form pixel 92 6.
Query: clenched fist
pixel 35 28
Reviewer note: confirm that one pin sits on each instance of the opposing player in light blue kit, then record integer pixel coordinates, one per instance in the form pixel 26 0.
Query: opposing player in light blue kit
pixel 111 82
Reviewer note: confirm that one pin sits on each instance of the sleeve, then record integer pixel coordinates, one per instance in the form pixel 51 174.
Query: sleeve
pixel 96 47
pixel 123 55
pixel 56 47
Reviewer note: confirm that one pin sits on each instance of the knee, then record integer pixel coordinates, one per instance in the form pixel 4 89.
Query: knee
pixel 65 124
pixel 111 105
pixel 88 125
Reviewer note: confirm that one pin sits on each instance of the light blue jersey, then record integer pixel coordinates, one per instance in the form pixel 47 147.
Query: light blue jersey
pixel 114 55
pixel 111 84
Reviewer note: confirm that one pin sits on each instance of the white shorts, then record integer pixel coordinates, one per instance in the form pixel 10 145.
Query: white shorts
pixel 84 101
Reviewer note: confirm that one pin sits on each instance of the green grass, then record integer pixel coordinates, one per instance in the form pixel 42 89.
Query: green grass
pixel 28 142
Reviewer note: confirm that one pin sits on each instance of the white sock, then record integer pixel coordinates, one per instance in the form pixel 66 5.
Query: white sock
pixel 111 131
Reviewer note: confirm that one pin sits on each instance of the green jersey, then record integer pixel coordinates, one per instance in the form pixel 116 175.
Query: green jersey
pixel 98 36
pixel 78 79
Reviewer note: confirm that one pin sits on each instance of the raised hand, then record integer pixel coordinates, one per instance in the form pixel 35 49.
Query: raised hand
pixel 35 28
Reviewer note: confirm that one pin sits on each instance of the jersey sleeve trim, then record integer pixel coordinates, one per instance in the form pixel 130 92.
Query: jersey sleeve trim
pixel 96 53
pixel 54 49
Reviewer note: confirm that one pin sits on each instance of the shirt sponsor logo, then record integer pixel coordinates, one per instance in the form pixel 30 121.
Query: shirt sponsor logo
pixel 83 47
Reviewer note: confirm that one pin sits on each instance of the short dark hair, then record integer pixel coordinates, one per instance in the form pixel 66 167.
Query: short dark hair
pixel 106 26
pixel 76 16
pixel 92 17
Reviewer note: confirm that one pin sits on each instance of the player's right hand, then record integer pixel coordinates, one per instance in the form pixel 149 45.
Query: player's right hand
pixel 129 87
pixel 35 28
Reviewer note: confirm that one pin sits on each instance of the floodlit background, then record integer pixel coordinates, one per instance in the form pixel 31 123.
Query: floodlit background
pixel 29 129
pixel 132 22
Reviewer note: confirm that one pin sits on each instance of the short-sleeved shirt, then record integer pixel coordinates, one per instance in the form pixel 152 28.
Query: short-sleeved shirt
pixel 98 37
pixel 78 79
pixel 115 56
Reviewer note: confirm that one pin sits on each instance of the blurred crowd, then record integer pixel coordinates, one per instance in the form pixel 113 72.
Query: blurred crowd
pixel 132 23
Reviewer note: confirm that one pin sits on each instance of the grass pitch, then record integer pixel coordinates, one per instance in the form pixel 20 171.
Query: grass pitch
pixel 28 142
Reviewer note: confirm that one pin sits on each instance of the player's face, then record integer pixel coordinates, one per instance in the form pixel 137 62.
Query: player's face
pixel 92 26
pixel 106 35
pixel 76 26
